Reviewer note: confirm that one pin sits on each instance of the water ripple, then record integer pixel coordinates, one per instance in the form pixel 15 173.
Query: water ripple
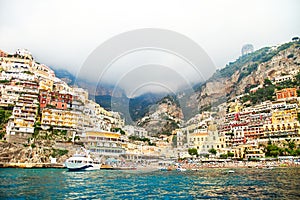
pixel 204 184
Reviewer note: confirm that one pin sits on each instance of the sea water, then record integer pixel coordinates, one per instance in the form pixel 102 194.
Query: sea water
pixel 276 183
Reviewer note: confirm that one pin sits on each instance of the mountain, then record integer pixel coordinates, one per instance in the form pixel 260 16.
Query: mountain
pixel 131 108
pixel 163 117
pixel 139 106
pixel 65 75
pixel 246 72
pixel 236 78
pixel 112 98
pixel 257 69
pixel 93 88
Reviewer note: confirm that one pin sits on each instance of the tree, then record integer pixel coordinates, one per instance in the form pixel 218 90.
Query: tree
pixel 267 82
pixel 272 150
pixel 212 151
pixel 294 39
pixel 193 151
pixel 230 154
pixel 224 156
pixel 292 145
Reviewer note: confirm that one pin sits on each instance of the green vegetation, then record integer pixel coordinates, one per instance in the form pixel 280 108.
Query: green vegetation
pixel 252 59
pixel 229 154
pixel 170 100
pixel 262 94
pixel 5 113
pixel 4 81
pixel 193 152
pixel 247 71
pixel 28 72
pixel 119 130
pixel 169 127
pixel 268 90
pixel 37 128
pixel 288 149
pixel 174 141
pixel 50 106
pixel 58 152
pixel 212 151
pixel 289 83
pixel 143 139
pixel 224 156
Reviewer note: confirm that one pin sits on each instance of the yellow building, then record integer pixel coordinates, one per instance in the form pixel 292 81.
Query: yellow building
pixel 235 107
pixel 8 63
pixel 283 122
pixel 204 140
pixel 46 84
pixel 248 151
pixel 43 71
pixel 104 143
pixel 59 118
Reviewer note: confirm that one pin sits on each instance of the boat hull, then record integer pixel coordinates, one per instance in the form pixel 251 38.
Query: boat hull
pixel 82 167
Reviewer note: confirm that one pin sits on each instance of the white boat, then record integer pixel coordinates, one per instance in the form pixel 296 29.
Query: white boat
pixel 180 169
pixel 82 162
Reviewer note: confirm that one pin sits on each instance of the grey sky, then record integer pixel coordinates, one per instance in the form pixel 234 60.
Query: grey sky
pixel 62 34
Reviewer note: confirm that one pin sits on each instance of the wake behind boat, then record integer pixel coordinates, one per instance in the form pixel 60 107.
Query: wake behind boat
pixel 82 162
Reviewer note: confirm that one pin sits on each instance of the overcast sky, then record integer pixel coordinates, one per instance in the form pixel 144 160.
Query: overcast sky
pixel 62 34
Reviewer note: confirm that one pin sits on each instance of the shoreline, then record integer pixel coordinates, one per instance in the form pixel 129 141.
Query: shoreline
pixel 32 165
pixel 189 167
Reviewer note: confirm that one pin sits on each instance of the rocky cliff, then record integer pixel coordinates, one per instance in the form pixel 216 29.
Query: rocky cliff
pixel 247 72
pixel 39 148
pixel 163 117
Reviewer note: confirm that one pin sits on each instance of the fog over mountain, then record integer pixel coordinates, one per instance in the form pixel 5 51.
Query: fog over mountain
pixel 65 34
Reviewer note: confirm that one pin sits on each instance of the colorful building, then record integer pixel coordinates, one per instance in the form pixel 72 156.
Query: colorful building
pixel 56 99
pixel 60 119
pixel 284 122
pixel 286 94
pixel 104 143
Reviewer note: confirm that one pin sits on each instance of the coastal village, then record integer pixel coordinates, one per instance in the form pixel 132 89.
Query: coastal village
pixel 45 120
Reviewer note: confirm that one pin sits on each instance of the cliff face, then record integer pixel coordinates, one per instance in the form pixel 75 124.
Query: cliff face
pixel 163 117
pixel 249 70
pixel 235 79
pixel 38 149
pixel 40 153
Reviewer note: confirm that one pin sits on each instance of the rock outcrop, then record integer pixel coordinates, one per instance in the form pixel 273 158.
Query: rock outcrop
pixel 163 117
pixel 250 70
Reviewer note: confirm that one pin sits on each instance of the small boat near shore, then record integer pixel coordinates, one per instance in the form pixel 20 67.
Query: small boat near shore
pixel 180 169
pixel 82 162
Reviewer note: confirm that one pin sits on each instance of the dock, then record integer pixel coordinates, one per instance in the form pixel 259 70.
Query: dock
pixel 31 165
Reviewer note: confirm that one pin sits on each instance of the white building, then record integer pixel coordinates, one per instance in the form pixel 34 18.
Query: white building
pixel 135 131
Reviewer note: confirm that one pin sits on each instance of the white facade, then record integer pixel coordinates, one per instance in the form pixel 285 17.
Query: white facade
pixel 135 131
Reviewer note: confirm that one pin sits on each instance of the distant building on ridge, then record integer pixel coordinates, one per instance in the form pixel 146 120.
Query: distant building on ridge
pixel 247 48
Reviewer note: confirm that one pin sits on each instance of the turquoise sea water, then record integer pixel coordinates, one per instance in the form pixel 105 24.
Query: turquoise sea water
pixel 205 184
